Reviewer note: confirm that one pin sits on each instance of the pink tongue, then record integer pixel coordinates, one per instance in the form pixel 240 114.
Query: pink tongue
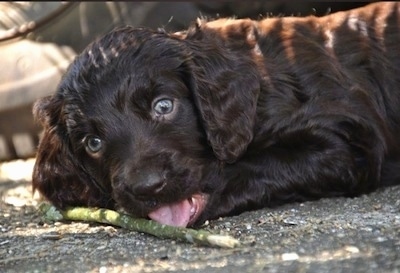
pixel 177 214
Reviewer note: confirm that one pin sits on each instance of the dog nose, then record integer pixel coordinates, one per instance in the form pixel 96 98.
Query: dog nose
pixel 147 183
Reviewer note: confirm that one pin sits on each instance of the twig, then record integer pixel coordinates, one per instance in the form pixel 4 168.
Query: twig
pixel 107 216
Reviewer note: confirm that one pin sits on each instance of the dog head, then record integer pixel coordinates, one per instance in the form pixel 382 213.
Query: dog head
pixel 144 120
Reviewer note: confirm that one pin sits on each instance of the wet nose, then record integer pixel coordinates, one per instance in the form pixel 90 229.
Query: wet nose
pixel 147 183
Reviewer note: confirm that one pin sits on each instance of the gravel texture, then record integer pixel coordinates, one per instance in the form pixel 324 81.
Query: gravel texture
pixel 329 235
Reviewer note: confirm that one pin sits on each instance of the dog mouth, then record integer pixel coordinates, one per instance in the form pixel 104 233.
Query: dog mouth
pixel 180 214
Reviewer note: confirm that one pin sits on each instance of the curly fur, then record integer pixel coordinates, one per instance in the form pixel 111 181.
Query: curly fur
pixel 265 112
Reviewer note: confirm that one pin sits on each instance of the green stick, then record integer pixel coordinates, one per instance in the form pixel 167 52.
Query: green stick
pixel 107 216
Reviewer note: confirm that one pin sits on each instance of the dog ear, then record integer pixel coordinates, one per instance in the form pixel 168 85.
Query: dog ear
pixel 56 175
pixel 227 80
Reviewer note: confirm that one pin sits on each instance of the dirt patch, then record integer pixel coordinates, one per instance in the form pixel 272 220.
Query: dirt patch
pixel 330 235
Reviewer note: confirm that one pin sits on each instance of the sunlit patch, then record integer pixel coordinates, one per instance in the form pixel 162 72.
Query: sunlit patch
pixel 252 39
pixel 114 52
pixel 358 25
pixel 17 170
pixel 104 55
pixel 330 39
pixel 257 50
pixel 92 58
pixel 15 182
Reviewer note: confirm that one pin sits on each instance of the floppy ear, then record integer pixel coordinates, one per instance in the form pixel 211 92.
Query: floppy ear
pixel 56 174
pixel 227 81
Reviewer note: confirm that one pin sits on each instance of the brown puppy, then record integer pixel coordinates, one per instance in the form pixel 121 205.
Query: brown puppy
pixel 230 115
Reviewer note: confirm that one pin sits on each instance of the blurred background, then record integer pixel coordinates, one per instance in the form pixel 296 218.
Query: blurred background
pixel 38 40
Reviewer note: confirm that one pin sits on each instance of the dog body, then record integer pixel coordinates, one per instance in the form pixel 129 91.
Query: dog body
pixel 230 115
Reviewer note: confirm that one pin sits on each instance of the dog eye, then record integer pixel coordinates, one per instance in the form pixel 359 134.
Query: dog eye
pixel 164 106
pixel 93 144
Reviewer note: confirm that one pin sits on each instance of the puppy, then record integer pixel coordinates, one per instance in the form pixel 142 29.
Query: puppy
pixel 227 116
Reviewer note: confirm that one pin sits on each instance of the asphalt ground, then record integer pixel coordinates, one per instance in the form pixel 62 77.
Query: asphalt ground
pixel 330 235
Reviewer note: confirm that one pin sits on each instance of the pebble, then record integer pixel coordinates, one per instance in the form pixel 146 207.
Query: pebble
pixel 53 235
pixel 380 239
pixel 4 242
pixel 4 229
pixel 292 256
pixel 352 249
pixel 102 247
